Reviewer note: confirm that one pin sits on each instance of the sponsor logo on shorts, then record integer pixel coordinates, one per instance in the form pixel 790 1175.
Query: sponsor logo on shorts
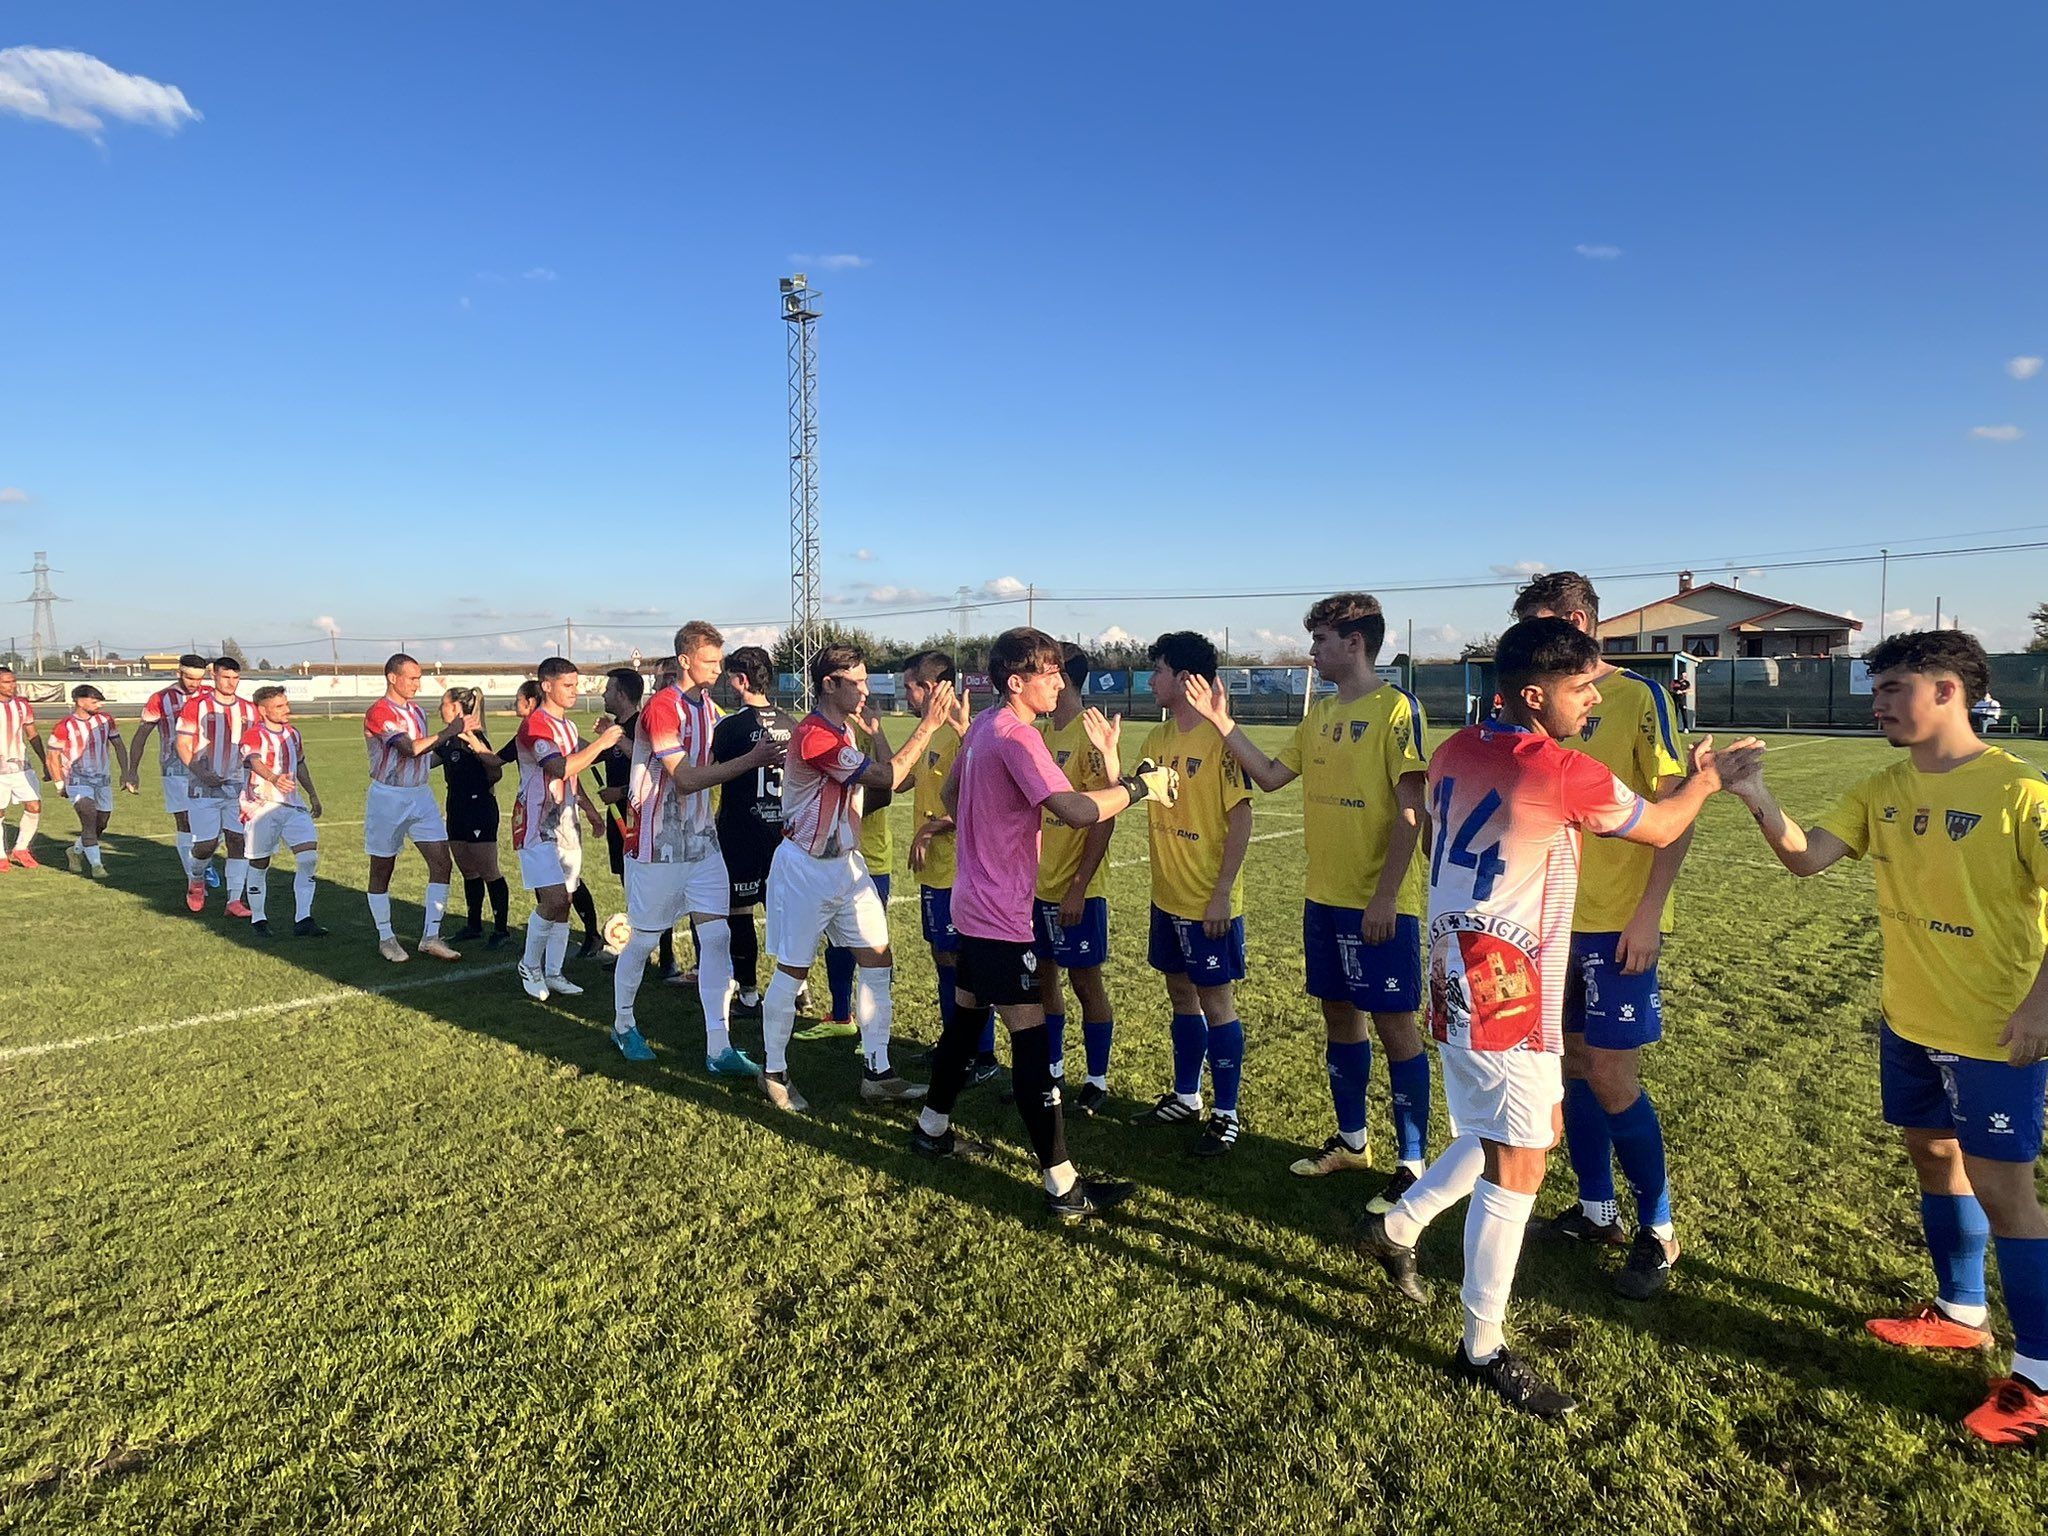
pixel 2001 1123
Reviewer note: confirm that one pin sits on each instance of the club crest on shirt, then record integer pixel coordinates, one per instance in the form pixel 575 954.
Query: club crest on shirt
pixel 1960 823
pixel 1920 820
pixel 1401 737
pixel 1062 755
pixel 1358 729
pixel 1586 731
pixel 1194 766
pixel 1888 814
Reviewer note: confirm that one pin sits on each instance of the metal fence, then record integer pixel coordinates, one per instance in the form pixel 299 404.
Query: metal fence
pixel 1833 692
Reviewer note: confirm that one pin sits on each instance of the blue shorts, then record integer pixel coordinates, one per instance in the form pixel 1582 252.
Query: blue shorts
pixel 881 887
pixel 1079 948
pixel 1614 1012
pixel 1179 947
pixel 1343 968
pixel 1996 1110
pixel 935 908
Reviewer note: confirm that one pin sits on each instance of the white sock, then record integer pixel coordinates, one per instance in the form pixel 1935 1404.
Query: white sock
pixel 184 841
pixel 876 1010
pixel 238 878
pixel 30 820
pixel 1354 1140
pixel 558 947
pixel 437 904
pixel 1414 1165
pixel 537 931
pixel 1098 1082
pixel 1969 1314
pixel 1494 1227
pixel 714 985
pixel 1663 1230
pixel 778 1020
pixel 1443 1184
pixel 1060 1179
pixel 302 883
pixel 1603 1213
pixel 1192 1100
pixel 92 854
pixel 627 973
pixel 932 1123
pixel 2035 1371
pixel 256 885
pixel 380 909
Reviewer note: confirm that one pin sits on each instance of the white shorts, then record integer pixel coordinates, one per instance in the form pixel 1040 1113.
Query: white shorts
pixel 658 896
pixel 545 864
pixel 209 813
pixel 810 899
pixel 271 827
pixel 21 787
pixel 395 812
pixel 101 794
pixel 1509 1097
pixel 177 794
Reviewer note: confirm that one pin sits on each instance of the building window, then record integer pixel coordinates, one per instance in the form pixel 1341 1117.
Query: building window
pixel 1659 644
pixel 1618 645
pixel 1702 645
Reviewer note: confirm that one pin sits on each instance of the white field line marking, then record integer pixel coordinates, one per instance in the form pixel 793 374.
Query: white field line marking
pixel 255 1011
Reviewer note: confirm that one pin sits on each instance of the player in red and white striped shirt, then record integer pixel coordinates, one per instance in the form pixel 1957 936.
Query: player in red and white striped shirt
pixel 673 867
pixel 279 805
pixel 19 745
pixel 552 758
pixel 210 730
pixel 1509 806
pixel 160 714
pixel 84 747
pixel 819 886
pixel 401 806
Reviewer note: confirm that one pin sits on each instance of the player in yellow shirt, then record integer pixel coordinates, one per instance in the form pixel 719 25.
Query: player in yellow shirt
pixel 1197 940
pixel 931 845
pixel 1360 759
pixel 878 852
pixel 1613 1006
pixel 1072 909
pixel 1958 833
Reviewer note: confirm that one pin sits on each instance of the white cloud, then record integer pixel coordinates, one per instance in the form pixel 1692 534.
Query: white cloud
pixel 763 635
pixel 614 614
pixel 2003 433
pixel 326 625
pixel 1116 634
pixel 2023 368
pixel 77 91
pixel 1520 568
pixel 538 275
pixel 863 554
pixel 886 594
pixel 1004 586
pixel 838 261
pixel 13 496
pixel 1599 252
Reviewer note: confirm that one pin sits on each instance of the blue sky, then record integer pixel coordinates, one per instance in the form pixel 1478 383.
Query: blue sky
pixel 458 319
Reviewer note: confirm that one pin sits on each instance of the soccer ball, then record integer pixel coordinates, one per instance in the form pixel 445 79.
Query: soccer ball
pixel 618 933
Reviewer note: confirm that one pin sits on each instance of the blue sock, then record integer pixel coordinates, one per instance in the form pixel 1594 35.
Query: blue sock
pixel 1095 1039
pixel 1409 1081
pixel 1190 1045
pixel 1226 1063
pixel 948 975
pixel 987 1044
pixel 839 977
pixel 1957 1234
pixel 1056 1041
pixel 2023 1270
pixel 1588 1141
pixel 1350 1072
pixel 1639 1144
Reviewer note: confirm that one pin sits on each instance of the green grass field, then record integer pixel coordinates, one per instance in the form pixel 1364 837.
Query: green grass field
pixel 283 1252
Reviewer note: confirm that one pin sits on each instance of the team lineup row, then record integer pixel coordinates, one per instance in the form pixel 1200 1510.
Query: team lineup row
pixel 1541 950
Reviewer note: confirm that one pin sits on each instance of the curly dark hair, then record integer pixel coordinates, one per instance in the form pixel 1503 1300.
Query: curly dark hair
pixel 1936 650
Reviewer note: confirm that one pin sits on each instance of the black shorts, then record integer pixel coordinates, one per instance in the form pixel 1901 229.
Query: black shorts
pixel 998 972
pixel 472 821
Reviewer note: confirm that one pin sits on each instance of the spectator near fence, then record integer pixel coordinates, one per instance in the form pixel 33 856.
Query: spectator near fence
pixel 1681 695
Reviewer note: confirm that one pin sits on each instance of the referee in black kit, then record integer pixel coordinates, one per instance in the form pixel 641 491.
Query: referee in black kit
pixel 749 807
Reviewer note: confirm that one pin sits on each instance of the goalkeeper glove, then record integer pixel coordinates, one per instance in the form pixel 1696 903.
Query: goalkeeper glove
pixel 1162 784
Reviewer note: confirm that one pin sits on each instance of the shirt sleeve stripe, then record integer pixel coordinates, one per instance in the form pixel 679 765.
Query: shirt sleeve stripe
pixel 1663 713
pixel 1634 816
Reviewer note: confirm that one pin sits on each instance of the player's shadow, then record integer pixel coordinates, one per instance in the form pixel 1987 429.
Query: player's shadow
pixel 1318 1280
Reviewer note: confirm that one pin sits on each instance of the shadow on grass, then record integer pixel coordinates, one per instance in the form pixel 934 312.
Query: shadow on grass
pixel 1252 1186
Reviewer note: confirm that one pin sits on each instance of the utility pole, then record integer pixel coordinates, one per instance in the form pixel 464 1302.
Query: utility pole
pixel 1031 605
pixel 568 639
pixel 1884 576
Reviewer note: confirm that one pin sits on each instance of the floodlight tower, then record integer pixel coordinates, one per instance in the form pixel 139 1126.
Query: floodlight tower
pixel 43 628
pixel 800 317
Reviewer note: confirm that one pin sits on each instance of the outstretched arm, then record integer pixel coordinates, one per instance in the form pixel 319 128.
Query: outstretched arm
pixel 1212 703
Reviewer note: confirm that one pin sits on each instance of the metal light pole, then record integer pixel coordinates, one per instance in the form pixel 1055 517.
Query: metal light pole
pixel 800 316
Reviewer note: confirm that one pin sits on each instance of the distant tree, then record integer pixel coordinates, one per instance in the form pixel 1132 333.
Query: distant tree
pixel 1482 647
pixel 2039 619
pixel 77 655
pixel 231 647
pixel 264 665
pixel 830 633
pixel 14 661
